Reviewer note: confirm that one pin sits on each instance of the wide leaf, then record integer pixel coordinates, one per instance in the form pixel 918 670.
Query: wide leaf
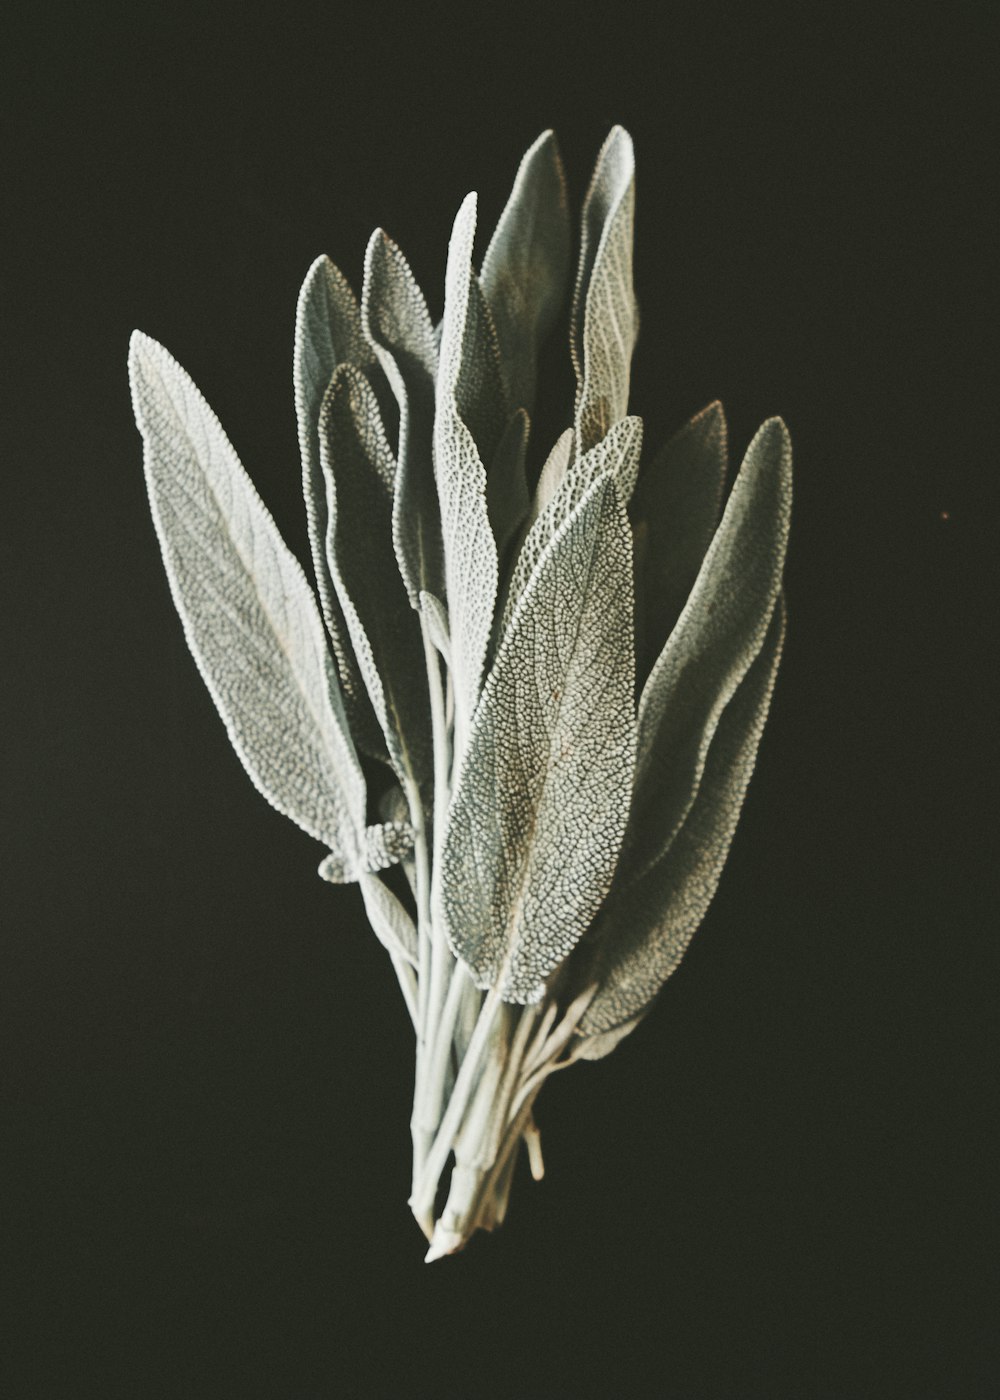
pixel 249 615
pixel 717 636
pixel 617 455
pixel 539 812
pixel 645 927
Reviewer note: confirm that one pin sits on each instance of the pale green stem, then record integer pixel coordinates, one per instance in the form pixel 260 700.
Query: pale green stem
pixel 429 953
pixel 422 1200
pixel 499 1116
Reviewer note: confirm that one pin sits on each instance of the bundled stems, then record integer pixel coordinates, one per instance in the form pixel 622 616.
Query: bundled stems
pixel 481 1062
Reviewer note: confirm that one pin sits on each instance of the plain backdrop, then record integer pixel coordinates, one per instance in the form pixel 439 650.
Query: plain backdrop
pixel 779 1186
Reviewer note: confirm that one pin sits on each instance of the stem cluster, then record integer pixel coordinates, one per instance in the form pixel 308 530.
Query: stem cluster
pixel 480 1062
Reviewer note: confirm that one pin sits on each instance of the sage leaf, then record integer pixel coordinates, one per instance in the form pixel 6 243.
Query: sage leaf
pixel 717 636
pixel 539 812
pixel 675 510
pixel 470 549
pixel 600 1043
pixel 604 322
pixel 526 266
pixel 436 615
pixel 553 471
pixel 328 332
pixel 398 327
pixel 392 805
pixel 391 923
pixel 385 844
pixel 480 395
pixel 645 927
pixel 250 617
pixel 507 497
pixel 616 455
pixel 385 634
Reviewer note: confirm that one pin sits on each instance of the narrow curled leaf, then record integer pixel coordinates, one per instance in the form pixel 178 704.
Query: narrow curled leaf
pixel 480 395
pixel 604 321
pixel 249 615
pixel 359 469
pixel 328 333
pixel 717 636
pixel 617 456
pixel 392 924
pixel 527 265
pixel 384 844
pixel 539 811
pixel 470 549
pixel 398 327
pixel 507 498
pixel 675 509
pixel 645 927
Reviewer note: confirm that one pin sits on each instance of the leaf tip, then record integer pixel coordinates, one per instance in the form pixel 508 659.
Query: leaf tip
pixel 141 349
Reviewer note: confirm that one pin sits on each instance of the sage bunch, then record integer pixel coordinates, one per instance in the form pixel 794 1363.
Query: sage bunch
pixel 520 711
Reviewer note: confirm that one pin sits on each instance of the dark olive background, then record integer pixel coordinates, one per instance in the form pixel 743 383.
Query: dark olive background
pixel 777 1187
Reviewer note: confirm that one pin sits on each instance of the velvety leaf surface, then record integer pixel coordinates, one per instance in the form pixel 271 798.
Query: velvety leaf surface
pixel 604 322
pixel 675 510
pixel 645 927
pixel 538 816
pixel 507 498
pixel 526 267
pixel 470 549
pixel 385 633
pixel 618 456
pixel 249 615
pixel 712 646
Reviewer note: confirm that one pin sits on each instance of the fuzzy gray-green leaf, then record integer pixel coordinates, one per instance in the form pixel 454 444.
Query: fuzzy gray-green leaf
pixel 391 923
pixel 249 615
pixel 399 328
pixel 328 333
pixel 526 267
pixel 360 470
pixel 709 651
pixel 480 394
pixel 645 927
pixel 600 1043
pixel 470 549
pixel 553 471
pixel 539 812
pixel 507 498
pixel 435 614
pixel 604 321
pixel 675 509
pixel 616 455
pixel 384 844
